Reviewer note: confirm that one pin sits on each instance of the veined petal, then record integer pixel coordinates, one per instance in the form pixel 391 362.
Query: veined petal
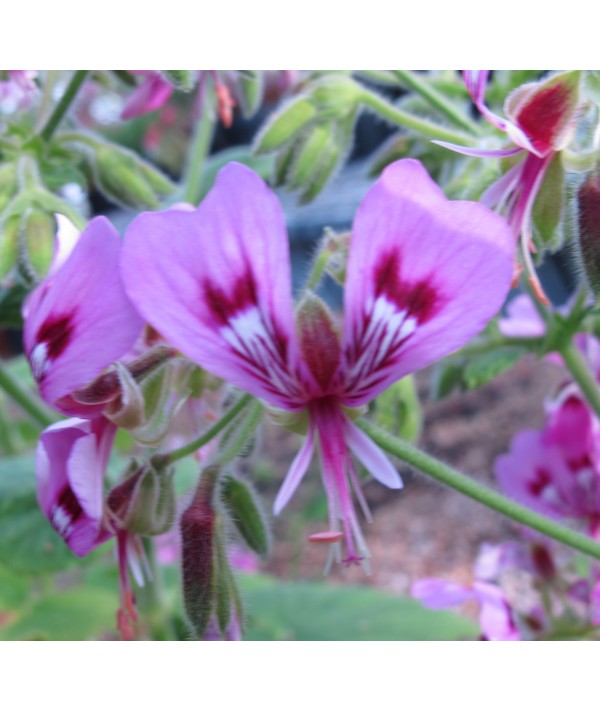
pixel 71 460
pixel 79 320
pixel 424 276
pixel 216 284
pixel 374 460
pixel 296 472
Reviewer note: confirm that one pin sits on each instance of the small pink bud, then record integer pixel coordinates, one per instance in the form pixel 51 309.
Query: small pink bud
pixel 318 339
pixel 588 198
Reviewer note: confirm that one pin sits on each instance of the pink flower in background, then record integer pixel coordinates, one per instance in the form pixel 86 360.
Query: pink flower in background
pixel 522 319
pixel 557 471
pixel 18 90
pixel 495 616
pixel 541 120
pixel 79 320
pixel 424 276
pixel 151 94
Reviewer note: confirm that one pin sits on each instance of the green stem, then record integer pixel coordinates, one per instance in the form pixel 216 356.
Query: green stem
pixel 378 77
pixel 160 460
pixel 66 100
pixel 243 432
pixel 413 81
pixel 45 106
pixel 197 156
pixel 582 375
pixel 28 402
pixel 492 499
pixel 401 118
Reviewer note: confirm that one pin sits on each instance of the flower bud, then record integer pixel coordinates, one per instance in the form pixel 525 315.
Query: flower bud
pixel 198 541
pixel 144 503
pixel 9 244
pixel 250 91
pixel 8 183
pixel 338 94
pixel 318 339
pixel 38 231
pixel 246 514
pixel 588 203
pixel 285 124
pixel 308 156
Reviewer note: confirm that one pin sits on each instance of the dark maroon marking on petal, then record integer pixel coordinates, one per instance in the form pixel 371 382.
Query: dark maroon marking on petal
pixel 419 299
pixel 542 117
pixel 56 333
pixel 68 502
pixel 225 306
pixel 541 480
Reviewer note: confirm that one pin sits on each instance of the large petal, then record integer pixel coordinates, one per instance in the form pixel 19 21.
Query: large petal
pixel 79 320
pixel 216 283
pixel 424 276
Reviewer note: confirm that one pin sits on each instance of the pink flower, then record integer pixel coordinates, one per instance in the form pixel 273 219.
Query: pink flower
pixel 424 276
pixel 540 123
pixel 79 320
pixel 71 460
pixel 557 471
pixel 522 319
pixel 495 615
pixel 152 94
pixel 17 92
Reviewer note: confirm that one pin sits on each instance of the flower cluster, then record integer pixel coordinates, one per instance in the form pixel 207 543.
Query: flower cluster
pixel 424 275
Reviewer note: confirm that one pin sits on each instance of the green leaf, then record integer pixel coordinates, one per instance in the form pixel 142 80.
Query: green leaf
pixel 73 615
pixel 318 612
pixel 483 368
pixel 28 544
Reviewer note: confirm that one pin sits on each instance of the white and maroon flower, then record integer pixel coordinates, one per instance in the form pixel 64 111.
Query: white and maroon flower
pixel 424 276
pixel 79 320
pixel 541 121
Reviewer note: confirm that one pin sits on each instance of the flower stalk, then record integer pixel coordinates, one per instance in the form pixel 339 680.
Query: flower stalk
pixel 413 123
pixel 160 460
pixel 63 105
pixel 413 81
pixel 492 499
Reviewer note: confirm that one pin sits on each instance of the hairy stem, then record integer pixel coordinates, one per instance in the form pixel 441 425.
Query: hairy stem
pixel 422 126
pixel 413 81
pixel 582 375
pixel 63 105
pixel 492 499
pixel 198 153
pixel 160 460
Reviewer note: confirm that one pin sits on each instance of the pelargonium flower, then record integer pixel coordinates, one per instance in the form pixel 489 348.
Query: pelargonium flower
pixel 79 321
pixel 557 471
pixel 424 276
pixel 71 461
pixel 540 122
pixel 17 90
pixel 496 616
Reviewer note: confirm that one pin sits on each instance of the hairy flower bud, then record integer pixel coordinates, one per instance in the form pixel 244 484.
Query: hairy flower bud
pixel 285 124
pixel 145 502
pixel 588 200
pixel 198 534
pixel 318 339
pixel 246 514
